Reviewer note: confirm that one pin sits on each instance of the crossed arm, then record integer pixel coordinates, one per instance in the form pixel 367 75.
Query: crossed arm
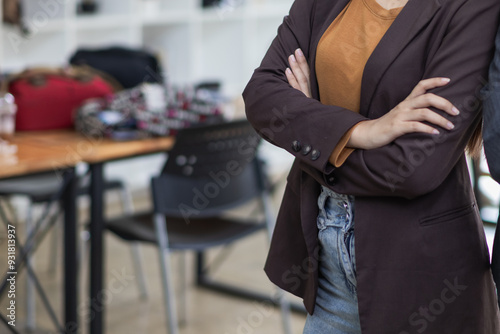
pixel 406 117
pixel 286 117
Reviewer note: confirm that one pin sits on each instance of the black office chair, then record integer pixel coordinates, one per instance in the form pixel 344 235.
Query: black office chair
pixel 209 171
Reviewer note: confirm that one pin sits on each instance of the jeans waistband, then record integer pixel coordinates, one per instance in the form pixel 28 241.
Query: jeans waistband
pixel 335 209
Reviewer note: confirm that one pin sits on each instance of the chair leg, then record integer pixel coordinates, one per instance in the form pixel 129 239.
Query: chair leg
pixel 30 288
pixel 84 255
pixel 128 209
pixel 55 241
pixel 135 250
pixel 53 252
pixel 127 202
pixel 168 291
pixel 286 317
pixel 183 289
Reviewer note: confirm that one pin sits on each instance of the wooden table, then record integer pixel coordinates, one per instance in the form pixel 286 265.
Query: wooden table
pixel 34 157
pixel 61 150
pixel 67 146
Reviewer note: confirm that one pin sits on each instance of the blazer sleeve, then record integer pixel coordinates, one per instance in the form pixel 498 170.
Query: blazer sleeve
pixel 283 115
pixel 491 111
pixel 416 164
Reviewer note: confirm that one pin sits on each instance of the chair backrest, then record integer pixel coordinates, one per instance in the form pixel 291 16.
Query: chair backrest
pixel 210 169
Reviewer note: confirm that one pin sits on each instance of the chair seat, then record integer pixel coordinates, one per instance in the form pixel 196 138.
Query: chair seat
pixel 40 188
pixel 198 235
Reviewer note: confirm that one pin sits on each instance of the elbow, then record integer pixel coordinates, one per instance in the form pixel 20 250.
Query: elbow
pixel 246 91
pixel 249 100
pixel 253 110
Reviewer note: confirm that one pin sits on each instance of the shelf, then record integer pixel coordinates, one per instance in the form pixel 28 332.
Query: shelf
pixel 263 11
pixel 42 49
pixel 114 36
pixel 219 15
pixel 102 22
pixel 172 45
pixel 165 17
pixel 51 26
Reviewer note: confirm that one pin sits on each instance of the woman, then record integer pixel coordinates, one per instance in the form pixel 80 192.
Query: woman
pixel 419 262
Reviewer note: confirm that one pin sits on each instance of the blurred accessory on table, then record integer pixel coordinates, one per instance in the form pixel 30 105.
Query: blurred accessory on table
pixel 130 67
pixel 147 110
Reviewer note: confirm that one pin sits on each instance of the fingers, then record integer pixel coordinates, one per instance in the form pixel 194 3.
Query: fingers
pixel 302 61
pixel 291 79
pixel 432 100
pixel 431 117
pixel 411 127
pixel 300 76
pixel 424 85
pixel 300 72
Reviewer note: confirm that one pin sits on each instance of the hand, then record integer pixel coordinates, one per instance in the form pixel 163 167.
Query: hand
pixel 298 73
pixel 406 117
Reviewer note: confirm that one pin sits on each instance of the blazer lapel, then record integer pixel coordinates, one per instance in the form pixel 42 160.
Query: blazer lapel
pixel 409 22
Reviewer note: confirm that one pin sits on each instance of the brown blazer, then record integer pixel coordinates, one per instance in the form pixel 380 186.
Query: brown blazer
pixel 421 254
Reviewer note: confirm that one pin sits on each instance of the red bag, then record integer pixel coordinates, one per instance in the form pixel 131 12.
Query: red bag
pixel 47 98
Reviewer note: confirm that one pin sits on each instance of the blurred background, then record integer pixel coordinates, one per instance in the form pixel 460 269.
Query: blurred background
pixel 198 45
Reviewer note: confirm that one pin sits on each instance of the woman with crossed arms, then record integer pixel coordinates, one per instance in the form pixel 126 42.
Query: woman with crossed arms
pixel 378 230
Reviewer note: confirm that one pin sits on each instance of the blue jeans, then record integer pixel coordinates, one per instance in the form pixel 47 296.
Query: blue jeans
pixel 336 310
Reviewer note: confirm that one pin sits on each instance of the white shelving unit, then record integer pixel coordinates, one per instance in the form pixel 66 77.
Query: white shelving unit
pixel 224 43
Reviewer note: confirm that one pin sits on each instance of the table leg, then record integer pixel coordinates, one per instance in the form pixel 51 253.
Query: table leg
pixel 96 250
pixel 70 254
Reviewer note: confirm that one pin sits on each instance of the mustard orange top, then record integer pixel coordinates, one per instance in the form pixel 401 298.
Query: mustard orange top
pixel 342 54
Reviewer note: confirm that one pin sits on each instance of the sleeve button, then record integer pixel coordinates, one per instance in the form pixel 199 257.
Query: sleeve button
pixel 296 146
pixel 315 154
pixel 306 149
